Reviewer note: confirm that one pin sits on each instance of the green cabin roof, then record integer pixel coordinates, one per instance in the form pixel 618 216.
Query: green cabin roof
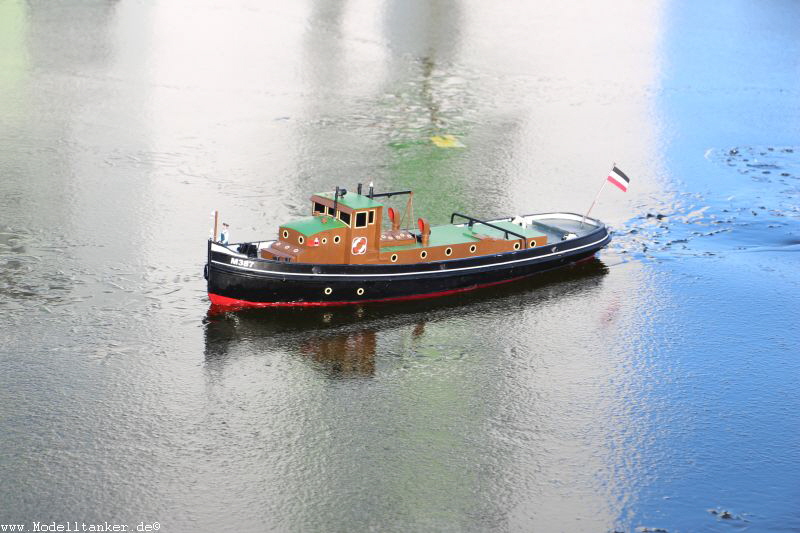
pixel 313 225
pixel 353 200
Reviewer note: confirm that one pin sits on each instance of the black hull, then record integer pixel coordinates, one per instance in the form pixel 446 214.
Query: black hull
pixel 238 281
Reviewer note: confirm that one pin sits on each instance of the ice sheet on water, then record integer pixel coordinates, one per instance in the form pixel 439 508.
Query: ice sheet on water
pixel 755 208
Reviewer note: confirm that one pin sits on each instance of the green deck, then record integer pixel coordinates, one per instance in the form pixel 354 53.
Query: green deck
pixel 313 225
pixel 449 234
pixel 529 233
pixel 353 200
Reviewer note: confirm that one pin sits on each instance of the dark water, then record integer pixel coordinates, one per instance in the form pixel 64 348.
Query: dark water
pixel 654 388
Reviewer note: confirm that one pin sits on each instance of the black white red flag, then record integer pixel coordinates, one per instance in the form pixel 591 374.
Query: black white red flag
pixel 618 178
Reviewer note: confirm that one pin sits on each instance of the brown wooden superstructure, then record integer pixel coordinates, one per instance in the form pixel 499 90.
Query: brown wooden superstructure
pixel 346 228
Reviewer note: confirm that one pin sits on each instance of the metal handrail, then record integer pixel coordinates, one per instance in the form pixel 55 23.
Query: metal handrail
pixel 473 220
pixel 388 194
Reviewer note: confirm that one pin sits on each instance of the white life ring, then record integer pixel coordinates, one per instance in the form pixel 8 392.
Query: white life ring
pixel 359 246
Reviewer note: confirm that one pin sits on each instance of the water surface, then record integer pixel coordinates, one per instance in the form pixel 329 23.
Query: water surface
pixel 653 388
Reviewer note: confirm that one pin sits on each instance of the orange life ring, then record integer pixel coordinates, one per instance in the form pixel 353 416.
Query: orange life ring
pixel 359 246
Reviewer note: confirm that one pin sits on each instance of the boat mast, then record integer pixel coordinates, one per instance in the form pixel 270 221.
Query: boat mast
pixel 216 221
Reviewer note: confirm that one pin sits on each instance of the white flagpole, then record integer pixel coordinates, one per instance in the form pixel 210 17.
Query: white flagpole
pixel 596 197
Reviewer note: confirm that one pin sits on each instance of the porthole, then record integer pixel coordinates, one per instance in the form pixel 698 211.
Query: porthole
pixel 324 240
pixel 328 290
pixel 394 258
pixel 285 234
pixel 336 239
pixel 516 246
pixel 301 239
pixel 360 291
pixel 448 252
pixel 423 254
pixel 532 244
pixel 472 249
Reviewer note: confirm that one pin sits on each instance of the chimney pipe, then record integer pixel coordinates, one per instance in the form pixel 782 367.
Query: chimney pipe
pixel 335 201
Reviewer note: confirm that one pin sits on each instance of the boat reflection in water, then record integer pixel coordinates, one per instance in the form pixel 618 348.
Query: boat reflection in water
pixel 343 341
pixel 347 354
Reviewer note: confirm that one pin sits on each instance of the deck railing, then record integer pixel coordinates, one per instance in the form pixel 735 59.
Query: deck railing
pixel 473 220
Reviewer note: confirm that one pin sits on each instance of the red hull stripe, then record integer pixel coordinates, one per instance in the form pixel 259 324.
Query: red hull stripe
pixel 224 301
pixel 622 186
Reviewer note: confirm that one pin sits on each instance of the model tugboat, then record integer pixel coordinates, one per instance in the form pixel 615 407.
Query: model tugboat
pixel 342 254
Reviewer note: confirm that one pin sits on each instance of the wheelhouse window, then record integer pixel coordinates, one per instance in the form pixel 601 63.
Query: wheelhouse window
pixel 331 211
pixel 372 216
pixel 344 217
pixel 361 219
pixel 319 208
